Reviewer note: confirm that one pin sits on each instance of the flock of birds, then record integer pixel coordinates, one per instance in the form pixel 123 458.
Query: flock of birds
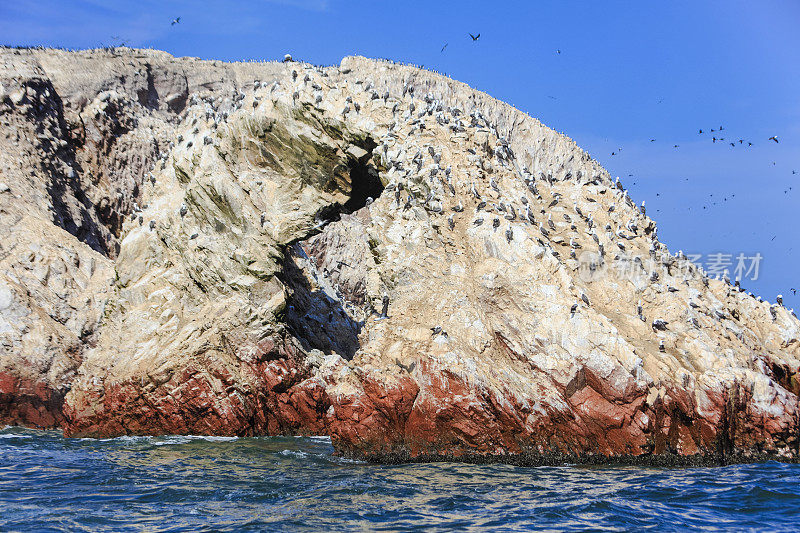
pixel 716 135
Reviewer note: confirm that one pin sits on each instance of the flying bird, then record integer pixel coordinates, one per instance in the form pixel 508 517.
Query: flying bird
pixel 177 20
pixel 773 138
pixel 475 37
pixel 445 46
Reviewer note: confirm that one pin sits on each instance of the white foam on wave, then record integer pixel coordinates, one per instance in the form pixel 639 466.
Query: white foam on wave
pixel 162 440
pixel 293 453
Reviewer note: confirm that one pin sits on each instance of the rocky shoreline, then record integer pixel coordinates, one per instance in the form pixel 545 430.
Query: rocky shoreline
pixel 199 247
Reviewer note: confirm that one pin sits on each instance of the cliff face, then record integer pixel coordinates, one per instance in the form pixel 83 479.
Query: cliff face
pixel 206 248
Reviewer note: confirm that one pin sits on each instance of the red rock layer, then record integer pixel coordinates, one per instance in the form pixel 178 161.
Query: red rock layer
pixel 400 419
pixel 272 393
pixel 29 403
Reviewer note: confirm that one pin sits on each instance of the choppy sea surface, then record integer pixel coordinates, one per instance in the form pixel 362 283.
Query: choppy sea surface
pixel 48 482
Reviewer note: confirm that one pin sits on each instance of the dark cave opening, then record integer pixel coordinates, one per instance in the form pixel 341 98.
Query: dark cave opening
pixel 312 316
pixel 365 183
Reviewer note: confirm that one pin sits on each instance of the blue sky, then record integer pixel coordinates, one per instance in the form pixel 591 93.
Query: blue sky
pixel 628 72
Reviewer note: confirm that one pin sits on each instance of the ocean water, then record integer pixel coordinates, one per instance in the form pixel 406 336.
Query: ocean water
pixel 48 482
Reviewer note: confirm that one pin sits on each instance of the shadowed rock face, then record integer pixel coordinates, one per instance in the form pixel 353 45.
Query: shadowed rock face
pixel 204 248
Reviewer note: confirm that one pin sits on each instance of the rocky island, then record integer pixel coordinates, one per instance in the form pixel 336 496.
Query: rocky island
pixel 369 251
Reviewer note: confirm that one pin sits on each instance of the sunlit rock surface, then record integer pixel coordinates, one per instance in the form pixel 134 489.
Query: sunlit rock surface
pixel 201 247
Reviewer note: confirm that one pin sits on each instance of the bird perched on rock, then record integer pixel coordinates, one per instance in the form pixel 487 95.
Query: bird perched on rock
pixel 659 324
pixel 509 235
pixel 410 368
pixel 451 223
pixel 779 299
pixel 496 223
pixel 477 222
pixel 573 309
pixel 385 308
pixel 585 299
pixel 661 347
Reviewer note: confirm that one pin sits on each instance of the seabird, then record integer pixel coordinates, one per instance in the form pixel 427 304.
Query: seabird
pixel 436 330
pixel 573 309
pixel 585 299
pixel 509 235
pixel 175 21
pixel 660 324
pixel 451 223
pixel 779 299
pixel 475 37
pixel 529 215
pixel 477 222
pixel 385 308
pixel 773 138
pixel 661 346
pixel 183 210
pixel 496 223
